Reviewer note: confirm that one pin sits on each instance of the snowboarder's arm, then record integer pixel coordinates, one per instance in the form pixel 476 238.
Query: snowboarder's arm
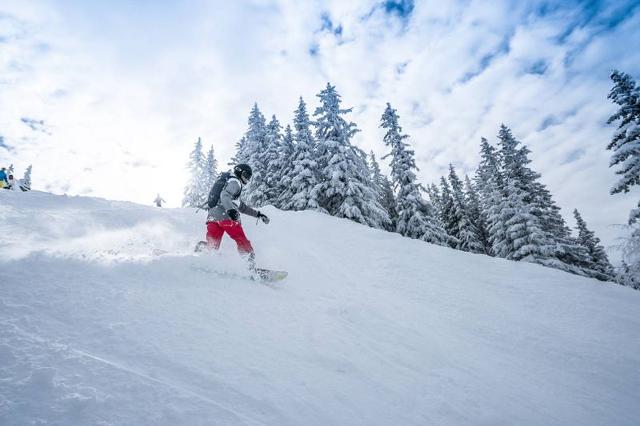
pixel 248 210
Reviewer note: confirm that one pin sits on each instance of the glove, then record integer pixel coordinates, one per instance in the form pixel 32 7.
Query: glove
pixel 264 218
pixel 233 214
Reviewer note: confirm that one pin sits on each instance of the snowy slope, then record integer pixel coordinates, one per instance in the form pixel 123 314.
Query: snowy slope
pixel 369 328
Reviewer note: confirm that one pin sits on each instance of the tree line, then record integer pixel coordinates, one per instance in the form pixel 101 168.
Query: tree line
pixel 502 210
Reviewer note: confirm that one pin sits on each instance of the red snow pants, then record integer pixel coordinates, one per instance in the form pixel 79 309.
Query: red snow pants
pixel 215 231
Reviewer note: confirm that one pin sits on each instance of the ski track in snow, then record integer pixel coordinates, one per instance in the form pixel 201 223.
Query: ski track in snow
pixel 107 318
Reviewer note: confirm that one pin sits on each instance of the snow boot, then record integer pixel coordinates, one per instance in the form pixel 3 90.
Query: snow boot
pixel 201 246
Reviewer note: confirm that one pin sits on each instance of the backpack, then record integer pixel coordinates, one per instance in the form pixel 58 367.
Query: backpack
pixel 214 194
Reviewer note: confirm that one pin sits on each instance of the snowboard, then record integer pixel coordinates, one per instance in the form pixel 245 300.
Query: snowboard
pixel 270 275
pixel 260 274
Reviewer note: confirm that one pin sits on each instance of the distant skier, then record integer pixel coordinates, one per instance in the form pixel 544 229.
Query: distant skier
pixel 159 200
pixel 224 214
pixel 12 184
pixel 3 177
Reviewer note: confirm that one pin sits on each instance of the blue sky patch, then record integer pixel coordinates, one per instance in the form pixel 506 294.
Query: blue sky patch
pixel 314 49
pixel 574 155
pixel 328 25
pixel 503 49
pixel 548 121
pixel 401 8
pixel 538 67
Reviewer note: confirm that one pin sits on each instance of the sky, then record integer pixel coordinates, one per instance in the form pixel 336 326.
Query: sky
pixel 107 98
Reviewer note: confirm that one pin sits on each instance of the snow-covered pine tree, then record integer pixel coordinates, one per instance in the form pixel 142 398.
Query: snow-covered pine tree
pixel 210 172
pixel 563 251
pixel 466 232
pixel 253 140
pixel 285 168
pixel 567 253
pixel 264 186
pixel 598 260
pixel 435 198
pixel 628 274
pixel 241 154
pixel 488 176
pixel 195 193
pixel 490 184
pixel 475 214
pixel 556 247
pixel 625 143
pixel 251 151
pixel 515 231
pixel 385 193
pixel 447 217
pixel 301 195
pixel 416 216
pixel 25 182
pixel 344 188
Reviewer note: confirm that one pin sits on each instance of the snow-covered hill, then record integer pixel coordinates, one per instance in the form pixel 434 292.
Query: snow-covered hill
pixel 97 327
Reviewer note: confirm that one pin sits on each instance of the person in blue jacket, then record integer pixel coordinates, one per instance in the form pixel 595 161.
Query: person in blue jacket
pixel 3 177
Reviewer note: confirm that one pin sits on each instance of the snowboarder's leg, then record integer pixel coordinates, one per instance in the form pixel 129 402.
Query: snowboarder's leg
pixel 235 231
pixel 214 235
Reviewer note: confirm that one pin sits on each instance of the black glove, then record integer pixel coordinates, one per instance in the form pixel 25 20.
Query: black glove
pixel 233 214
pixel 263 218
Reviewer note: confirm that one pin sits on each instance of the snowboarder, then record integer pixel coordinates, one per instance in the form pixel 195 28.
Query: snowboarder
pixel 224 214
pixel 159 200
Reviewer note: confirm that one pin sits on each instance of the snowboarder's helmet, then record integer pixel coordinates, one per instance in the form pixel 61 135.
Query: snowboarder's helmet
pixel 243 172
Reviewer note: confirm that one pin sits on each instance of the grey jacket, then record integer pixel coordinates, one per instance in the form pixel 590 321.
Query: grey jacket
pixel 229 194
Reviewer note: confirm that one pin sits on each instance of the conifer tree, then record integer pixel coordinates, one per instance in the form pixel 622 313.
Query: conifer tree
pixel 384 191
pixel 515 231
pixel 210 173
pixel 488 176
pixel 625 143
pixel 251 151
pixel 283 167
pixel 490 184
pixel 570 255
pixel 254 137
pixel 25 182
pixel 466 232
pixel 265 189
pixel 598 260
pixel 629 275
pixel 344 188
pixel 447 216
pixel 548 240
pixel 416 216
pixel 436 200
pixel 301 194
pixel 475 215
pixel 241 152
pixel 195 193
